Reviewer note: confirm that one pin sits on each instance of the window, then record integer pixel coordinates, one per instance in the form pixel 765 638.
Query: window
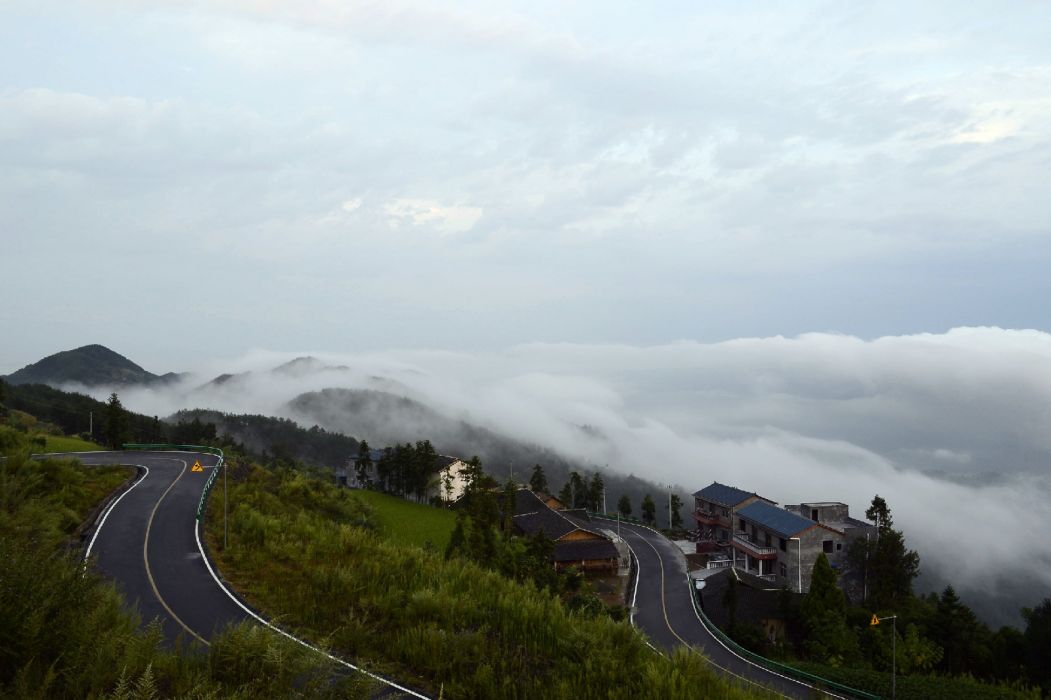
pixel 813 514
pixel 826 546
pixel 766 539
pixel 784 569
pixel 741 525
pixel 839 546
pixel 783 543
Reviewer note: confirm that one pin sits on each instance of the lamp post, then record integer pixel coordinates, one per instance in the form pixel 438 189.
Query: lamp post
pixel 799 564
pixel 893 651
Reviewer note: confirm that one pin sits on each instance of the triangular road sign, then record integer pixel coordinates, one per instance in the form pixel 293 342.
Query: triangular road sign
pixel 197 467
pixel 875 620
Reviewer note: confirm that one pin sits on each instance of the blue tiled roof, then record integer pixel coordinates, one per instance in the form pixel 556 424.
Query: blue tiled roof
pixel 776 519
pixel 722 494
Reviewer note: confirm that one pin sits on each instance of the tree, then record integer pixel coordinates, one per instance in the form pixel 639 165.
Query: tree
pixel 676 504
pixel 595 489
pixel 116 422
pixel 565 495
pixel 538 481
pixel 889 567
pixel 363 465
pixel 649 510
pixel 959 633
pixel 577 490
pixel 624 506
pixel 1038 643
pixel 829 639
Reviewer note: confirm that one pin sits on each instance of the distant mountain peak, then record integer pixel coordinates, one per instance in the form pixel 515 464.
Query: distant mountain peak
pixel 90 365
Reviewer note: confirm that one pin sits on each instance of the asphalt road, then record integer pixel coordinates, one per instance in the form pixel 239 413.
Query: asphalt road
pixel 147 544
pixel 664 611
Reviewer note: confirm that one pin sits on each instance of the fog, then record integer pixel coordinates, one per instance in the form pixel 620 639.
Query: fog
pixel 950 428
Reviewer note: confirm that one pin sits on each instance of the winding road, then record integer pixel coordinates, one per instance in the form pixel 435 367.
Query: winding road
pixel 664 611
pixel 148 540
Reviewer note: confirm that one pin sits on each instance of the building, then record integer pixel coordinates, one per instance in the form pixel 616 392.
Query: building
pixel 577 541
pixel 781 545
pixel 451 481
pixel 714 508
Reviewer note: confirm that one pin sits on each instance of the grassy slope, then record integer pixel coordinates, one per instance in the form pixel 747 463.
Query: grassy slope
pixel 66 633
pixel 298 551
pixel 70 444
pixel 407 523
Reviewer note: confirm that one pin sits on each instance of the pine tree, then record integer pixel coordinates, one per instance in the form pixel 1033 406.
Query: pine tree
pixel 624 506
pixel 889 567
pixel 363 465
pixel 649 510
pixel 595 488
pixel 676 518
pixel 538 481
pixel 116 422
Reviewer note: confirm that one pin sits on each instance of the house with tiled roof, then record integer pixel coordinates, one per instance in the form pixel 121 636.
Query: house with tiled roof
pixel 780 545
pixel 714 508
pixel 577 541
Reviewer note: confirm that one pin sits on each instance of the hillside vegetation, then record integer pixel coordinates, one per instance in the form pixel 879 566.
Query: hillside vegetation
pixel 315 557
pixel 67 633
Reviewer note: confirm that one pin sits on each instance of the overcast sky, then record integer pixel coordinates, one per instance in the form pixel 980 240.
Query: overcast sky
pixel 186 180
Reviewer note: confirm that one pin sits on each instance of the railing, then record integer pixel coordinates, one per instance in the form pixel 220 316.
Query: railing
pixel 706 517
pixel 188 448
pixel 770 664
pixel 752 548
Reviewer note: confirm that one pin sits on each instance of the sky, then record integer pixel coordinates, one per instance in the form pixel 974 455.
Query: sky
pixel 800 243
pixel 349 176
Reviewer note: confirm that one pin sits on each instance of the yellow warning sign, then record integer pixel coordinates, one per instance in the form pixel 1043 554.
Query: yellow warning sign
pixel 197 467
pixel 875 620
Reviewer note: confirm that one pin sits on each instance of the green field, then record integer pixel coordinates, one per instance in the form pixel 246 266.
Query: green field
pixel 70 444
pixel 408 523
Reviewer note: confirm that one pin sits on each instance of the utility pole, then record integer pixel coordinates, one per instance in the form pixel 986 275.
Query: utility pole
pixel 604 500
pixel 91 424
pixel 226 529
pixel 669 510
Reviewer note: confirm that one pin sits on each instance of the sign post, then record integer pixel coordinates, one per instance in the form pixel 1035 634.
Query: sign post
pixel 893 651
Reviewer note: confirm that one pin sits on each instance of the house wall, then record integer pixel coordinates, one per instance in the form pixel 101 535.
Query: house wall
pixel 577 535
pixel 810 546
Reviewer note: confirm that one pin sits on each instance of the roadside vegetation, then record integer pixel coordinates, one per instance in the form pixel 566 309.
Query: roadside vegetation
pixel 67 633
pixel 315 557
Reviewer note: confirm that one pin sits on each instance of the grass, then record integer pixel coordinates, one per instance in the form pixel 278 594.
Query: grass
pixel 407 523
pixel 317 558
pixel 67 633
pixel 56 443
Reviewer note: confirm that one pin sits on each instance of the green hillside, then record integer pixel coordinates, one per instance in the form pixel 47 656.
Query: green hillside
pixel 90 365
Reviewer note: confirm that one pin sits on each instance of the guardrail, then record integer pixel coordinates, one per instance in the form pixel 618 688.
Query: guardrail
pixel 187 448
pixel 772 665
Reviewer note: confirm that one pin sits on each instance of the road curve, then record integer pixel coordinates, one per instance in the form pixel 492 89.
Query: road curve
pixel 664 611
pixel 148 541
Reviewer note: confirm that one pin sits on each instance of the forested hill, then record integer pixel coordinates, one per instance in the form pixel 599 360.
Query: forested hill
pixel 90 365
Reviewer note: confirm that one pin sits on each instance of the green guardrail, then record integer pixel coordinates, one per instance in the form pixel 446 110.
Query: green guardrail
pixel 770 663
pixel 187 448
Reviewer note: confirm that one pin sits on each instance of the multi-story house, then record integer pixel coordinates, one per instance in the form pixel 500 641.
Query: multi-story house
pixel 714 508
pixel 781 545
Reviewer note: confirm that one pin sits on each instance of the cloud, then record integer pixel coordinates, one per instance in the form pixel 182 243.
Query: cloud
pixel 428 212
pixel 949 428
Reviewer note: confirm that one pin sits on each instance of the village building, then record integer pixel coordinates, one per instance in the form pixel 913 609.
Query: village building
pixel 578 541
pixel 714 508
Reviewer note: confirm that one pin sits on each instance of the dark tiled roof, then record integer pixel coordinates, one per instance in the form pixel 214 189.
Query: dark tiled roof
pixel 723 495
pixel 553 524
pixel 528 502
pixel 776 519
pixel 583 550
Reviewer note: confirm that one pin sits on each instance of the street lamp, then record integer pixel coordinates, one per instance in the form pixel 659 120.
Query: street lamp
pixel 799 563
pixel 893 651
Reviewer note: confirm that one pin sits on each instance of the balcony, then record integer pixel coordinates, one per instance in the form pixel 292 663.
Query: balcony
pixel 743 544
pixel 705 517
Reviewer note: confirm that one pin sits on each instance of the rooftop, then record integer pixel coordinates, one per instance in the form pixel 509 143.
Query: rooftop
pixel 724 495
pixel 776 519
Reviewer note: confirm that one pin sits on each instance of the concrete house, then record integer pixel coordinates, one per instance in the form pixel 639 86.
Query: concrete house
pixel 714 508
pixel 780 545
